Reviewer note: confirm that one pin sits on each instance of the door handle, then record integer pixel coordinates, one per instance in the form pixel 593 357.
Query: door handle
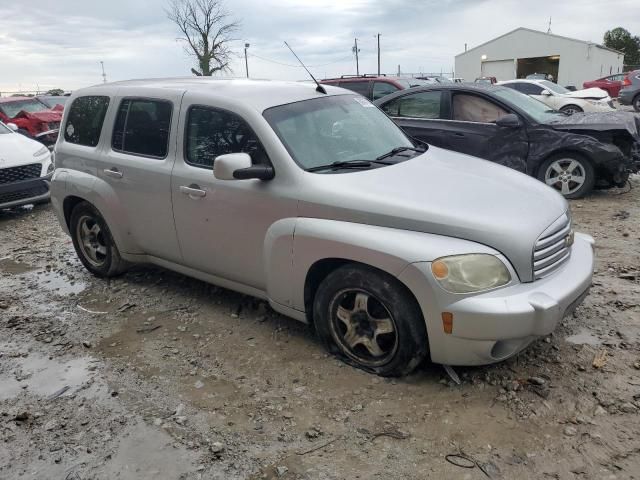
pixel 193 191
pixel 113 172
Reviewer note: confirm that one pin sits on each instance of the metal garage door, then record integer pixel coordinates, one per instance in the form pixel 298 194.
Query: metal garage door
pixel 501 69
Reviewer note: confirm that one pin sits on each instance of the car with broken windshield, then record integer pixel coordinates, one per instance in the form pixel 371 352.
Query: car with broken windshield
pixel 572 154
pixel 312 199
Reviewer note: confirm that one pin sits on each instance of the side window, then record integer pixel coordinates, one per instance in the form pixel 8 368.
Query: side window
pixel 512 86
pixel 85 119
pixel 472 108
pixel 530 88
pixel 142 127
pixel 380 89
pixel 359 87
pixel 212 132
pixel 416 105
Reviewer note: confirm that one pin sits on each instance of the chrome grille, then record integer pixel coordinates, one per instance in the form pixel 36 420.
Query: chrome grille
pixel 552 248
pixel 17 174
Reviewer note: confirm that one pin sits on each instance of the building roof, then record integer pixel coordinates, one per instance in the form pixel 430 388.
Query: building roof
pixel 540 33
pixel 257 94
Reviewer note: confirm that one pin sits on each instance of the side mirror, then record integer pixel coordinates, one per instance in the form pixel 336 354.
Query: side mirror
pixel 12 126
pixel 545 92
pixel 237 166
pixel 510 120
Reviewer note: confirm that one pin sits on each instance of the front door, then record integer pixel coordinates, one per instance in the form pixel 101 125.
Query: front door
pixel 222 224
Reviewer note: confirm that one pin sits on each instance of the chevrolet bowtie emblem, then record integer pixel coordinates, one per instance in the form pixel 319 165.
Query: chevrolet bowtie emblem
pixel 568 240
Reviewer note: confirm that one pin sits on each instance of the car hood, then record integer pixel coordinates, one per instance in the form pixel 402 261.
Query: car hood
pixel 600 121
pixel 446 193
pixel 588 93
pixel 16 150
pixel 43 116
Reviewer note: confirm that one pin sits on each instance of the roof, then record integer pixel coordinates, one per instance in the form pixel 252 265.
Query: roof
pixel 258 94
pixel 541 33
pixel 469 87
pixel 15 99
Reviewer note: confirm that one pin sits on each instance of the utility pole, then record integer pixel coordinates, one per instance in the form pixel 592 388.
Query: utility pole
pixel 104 75
pixel 355 50
pixel 549 29
pixel 378 35
pixel 246 62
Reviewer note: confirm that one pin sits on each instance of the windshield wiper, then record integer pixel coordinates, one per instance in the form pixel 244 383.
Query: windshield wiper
pixel 348 164
pixel 398 150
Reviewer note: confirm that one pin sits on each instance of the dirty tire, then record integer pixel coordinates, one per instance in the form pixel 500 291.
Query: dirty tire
pixel 564 160
pixel 636 103
pixel 99 254
pixel 383 332
pixel 571 109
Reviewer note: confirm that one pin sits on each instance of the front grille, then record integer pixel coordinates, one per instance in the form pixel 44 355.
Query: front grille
pixel 24 194
pixel 552 248
pixel 17 174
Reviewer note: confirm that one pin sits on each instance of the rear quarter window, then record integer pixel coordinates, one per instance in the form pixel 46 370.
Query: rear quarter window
pixel 85 119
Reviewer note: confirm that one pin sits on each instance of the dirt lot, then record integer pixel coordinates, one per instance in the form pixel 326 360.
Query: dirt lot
pixel 155 375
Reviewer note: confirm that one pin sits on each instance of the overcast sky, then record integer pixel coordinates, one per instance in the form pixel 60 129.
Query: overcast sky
pixel 45 44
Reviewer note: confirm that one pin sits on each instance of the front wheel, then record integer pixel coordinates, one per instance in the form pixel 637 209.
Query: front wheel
pixel 569 173
pixel 636 103
pixel 370 320
pixel 93 242
pixel 571 109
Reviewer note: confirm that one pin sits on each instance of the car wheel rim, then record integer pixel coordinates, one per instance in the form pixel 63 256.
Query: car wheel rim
pixel 91 240
pixel 565 175
pixel 363 327
pixel 569 111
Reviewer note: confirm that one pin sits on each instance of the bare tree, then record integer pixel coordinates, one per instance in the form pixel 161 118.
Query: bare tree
pixel 207 29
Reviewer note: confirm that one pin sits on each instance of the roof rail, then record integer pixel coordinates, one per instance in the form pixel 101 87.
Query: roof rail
pixel 364 75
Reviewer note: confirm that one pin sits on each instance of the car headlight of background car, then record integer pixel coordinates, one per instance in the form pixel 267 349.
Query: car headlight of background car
pixel 470 273
pixel 41 152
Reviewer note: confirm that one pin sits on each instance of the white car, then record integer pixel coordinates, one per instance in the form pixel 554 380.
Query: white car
pixel 26 167
pixel 562 99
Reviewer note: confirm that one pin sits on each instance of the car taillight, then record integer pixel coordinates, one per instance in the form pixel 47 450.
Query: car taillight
pixel 626 82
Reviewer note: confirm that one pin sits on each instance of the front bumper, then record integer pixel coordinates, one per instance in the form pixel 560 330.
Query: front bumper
pixel 25 192
pixel 496 325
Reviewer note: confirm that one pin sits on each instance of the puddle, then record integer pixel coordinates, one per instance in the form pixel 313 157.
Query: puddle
pixel 12 267
pixel 44 377
pixel 584 337
pixel 54 282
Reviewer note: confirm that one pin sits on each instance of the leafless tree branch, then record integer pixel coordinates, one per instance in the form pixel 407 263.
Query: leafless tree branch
pixel 206 28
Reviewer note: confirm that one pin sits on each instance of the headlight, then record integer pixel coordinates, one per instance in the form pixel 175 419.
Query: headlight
pixel 42 151
pixel 470 273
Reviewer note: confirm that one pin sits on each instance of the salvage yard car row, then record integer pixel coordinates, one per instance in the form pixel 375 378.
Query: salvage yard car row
pixel 374 228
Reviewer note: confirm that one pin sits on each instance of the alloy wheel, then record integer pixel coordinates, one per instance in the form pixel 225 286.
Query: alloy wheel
pixel 363 327
pixel 565 175
pixel 91 240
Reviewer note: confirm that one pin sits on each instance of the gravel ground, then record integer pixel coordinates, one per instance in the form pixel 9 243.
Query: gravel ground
pixel 156 375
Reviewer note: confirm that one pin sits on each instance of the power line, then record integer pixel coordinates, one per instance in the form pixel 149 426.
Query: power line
pixel 297 66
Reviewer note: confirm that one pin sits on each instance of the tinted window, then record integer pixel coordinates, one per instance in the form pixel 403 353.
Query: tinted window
pixel 380 89
pixel 212 132
pixel 359 87
pixel 417 105
pixel 472 108
pixel 529 88
pixel 85 120
pixel 142 127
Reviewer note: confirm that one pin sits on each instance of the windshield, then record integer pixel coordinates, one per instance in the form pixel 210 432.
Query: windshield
pixel 540 112
pixel 332 129
pixel 53 101
pixel 4 128
pixel 554 87
pixel 11 109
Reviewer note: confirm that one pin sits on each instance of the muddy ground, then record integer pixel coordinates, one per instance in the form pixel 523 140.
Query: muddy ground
pixel 156 375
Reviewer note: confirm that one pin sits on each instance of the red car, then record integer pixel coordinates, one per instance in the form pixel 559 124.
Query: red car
pixel 32 117
pixel 373 86
pixel 612 84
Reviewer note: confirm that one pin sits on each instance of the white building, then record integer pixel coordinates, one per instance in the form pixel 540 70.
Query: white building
pixel 523 51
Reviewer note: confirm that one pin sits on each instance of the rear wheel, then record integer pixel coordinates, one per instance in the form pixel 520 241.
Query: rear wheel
pixel 369 320
pixel 93 242
pixel 636 103
pixel 570 174
pixel 571 109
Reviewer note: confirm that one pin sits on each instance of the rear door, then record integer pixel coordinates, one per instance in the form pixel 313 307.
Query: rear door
pixel 422 115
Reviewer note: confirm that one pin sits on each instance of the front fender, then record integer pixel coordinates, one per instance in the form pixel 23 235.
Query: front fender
pixel 99 193
pixel 388 249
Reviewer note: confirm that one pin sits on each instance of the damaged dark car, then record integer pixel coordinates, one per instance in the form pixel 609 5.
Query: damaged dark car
pixel 572 154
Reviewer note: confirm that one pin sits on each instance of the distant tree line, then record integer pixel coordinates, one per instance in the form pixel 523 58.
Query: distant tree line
pixel 622 40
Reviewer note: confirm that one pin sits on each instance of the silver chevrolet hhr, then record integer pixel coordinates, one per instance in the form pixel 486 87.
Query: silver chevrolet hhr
pixel 316 202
